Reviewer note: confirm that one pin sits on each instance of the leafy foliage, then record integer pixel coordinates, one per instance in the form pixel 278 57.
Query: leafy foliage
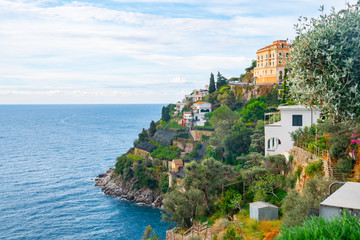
pixel 296 207
pixel 325 63
pixel 165 114
pixel 341 227
pixel 254 111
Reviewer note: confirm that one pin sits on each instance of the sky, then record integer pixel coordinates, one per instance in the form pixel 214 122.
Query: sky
pixel 134 51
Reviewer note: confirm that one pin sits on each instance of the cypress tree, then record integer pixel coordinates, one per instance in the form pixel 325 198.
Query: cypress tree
pixel 212 84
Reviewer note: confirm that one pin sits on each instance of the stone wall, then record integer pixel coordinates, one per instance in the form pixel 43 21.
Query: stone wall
pixel 196 134
pixel 301 158
pixel 141 153
pixel 184 144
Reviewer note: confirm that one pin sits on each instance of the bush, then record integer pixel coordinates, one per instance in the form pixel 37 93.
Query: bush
pixel 341 227
pixel 314 168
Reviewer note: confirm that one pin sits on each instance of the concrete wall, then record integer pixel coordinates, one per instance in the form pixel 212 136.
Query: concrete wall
pixel 263 214
pixel 329 212
pixel 281 130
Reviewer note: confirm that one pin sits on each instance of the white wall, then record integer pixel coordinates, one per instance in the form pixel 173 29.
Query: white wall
pixel 282 129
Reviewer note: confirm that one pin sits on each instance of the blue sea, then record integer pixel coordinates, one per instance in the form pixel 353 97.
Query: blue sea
pixel 49 155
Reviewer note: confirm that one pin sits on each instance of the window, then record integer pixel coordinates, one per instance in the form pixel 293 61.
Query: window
pixel 287 54
pixel 280 62
pixel 273 144
pixel 258 58
pixel 297 120
pixel 280 54
pixel 266 56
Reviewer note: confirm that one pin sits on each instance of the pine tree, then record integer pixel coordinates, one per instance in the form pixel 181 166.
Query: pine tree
pixel 165 114
pixel 152 128
pixel 221 80
pixel 212 87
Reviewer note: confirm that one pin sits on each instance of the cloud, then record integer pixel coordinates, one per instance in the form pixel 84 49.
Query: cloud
pixel 132 51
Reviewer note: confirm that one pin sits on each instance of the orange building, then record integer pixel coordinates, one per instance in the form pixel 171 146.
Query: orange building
pixel 270 62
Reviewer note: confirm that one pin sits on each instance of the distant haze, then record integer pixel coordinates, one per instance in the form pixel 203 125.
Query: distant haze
pixel 134 51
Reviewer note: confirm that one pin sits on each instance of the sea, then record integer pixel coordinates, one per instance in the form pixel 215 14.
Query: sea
pixel 49 156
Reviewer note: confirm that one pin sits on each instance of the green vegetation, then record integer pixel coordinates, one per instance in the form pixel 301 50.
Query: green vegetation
pixel 173 125
pixel 166 153
pixel 341 227
pixel 212 87
pixel 324 59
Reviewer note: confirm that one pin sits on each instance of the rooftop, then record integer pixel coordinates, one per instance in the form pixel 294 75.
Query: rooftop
pixel 347 196
pixel 262 204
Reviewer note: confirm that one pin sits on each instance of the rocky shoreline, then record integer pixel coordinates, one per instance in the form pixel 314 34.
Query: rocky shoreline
pixel 111 185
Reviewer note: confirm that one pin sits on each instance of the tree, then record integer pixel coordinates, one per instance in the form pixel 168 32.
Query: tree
pixel 143 135
pixel 266 185
pixel 212 87
pixel 183 207
pixel 223 116
pixel 258 138
pixel 240 138
pixel 165 114
pixel 253 111
pixel 208 177
pixel 152 128
pixel 325 63
pixel 221 80
pixel 296 207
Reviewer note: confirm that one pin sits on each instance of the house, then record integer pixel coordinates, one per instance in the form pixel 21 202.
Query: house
pixel 199 110
pixel 186 119
pixel 263 211
pixel 180 105
pixel 197 95
pixel 177 165
pixel 144 149
pixel 282 123
pixel 346 197
pixel 271 62
pixel 177 171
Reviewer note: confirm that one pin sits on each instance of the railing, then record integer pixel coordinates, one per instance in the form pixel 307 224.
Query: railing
pixel 271 118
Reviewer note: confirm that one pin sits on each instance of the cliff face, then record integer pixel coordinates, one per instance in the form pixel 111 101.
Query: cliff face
pixel 114 186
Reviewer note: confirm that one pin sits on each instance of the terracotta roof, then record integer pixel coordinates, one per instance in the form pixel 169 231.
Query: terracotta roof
pixel 178 162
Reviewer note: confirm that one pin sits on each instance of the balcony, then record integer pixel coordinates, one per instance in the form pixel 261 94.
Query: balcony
pixel 272 119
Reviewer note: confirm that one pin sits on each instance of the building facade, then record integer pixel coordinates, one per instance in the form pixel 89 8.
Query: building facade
pixel 270 62
pixel 199 110
pixel 281 124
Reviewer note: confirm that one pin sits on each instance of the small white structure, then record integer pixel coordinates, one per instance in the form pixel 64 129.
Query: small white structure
pixel 263 211
pixel 199 110
pixel 346 197
pixel 277 134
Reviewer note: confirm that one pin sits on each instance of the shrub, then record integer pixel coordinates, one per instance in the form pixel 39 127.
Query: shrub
pixel 314 168
pixel 341 227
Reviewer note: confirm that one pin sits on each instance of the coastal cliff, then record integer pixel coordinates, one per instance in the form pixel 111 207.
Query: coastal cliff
pixel 115 186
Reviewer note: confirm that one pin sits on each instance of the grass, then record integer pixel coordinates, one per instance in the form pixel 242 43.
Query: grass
pixel 134 158
pixel 170 125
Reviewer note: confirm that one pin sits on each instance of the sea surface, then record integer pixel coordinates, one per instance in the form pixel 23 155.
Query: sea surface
pixel 49 155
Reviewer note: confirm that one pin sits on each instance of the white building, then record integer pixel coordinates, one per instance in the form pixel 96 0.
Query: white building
pixel 197 95
pixel 263 211
pixel 199 110
pixel 186 119
pixel 180 105
pixel 346 197
pixel 277 133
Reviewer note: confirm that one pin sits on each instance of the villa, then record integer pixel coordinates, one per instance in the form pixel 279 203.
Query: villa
pixel 271 62
pixel 282 123
pixel 197 95
pixel 199 110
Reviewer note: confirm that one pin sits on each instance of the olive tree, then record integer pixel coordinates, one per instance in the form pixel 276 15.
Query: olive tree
pixel 325 63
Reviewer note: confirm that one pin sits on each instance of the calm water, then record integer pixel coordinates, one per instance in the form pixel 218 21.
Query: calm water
pixel 48 155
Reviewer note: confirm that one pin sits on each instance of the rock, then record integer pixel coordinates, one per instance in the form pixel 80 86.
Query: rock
pixel 114 186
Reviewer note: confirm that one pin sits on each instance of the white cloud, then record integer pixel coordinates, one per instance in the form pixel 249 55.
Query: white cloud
pixel 84 52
